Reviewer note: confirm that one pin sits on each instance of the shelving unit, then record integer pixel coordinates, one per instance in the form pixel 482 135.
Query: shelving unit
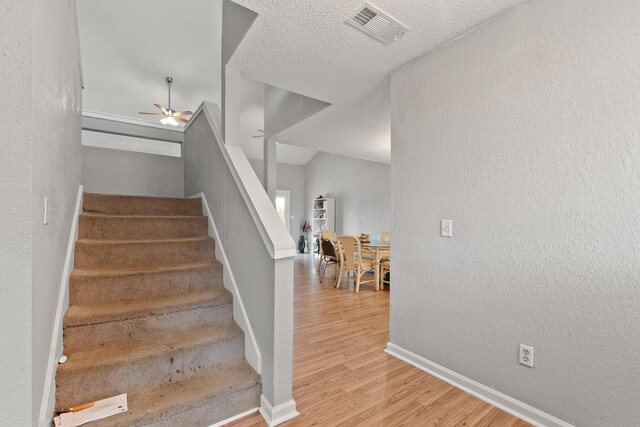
pixel 324 216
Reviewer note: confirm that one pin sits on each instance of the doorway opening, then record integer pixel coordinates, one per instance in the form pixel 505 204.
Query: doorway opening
pixel 283 206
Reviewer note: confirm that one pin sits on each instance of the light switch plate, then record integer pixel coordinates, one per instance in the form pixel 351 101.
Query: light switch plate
pixel 445 227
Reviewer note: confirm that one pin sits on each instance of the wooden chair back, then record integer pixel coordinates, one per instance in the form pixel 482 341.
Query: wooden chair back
pixel 329 234
pixel 350 251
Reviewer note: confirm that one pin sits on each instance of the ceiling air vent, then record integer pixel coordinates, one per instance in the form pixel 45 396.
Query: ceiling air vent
pixel 374 22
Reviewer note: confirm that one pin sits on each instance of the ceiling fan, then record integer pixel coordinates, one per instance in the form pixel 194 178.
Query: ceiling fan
pixel 169 116
pixel 262 136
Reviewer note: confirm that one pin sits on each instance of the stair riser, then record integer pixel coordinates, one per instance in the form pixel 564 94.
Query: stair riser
pixel 135 254
pixel 79 337
pixel 126 205
pixel 173 365
pixel 127 228
pixel 110 289
pixel 203 415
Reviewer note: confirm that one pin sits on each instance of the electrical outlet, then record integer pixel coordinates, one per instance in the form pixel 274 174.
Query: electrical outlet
pixel 526 355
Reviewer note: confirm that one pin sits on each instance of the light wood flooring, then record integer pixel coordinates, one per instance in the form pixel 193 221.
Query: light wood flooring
pixel 342 376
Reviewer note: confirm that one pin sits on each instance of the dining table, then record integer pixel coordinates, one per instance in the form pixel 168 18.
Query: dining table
pixel 379 249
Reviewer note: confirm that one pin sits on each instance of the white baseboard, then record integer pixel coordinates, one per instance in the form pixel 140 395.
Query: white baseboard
pixel 506 403
pixel 252 352
pixel 234 418
pixel 278 414
pixel 48 394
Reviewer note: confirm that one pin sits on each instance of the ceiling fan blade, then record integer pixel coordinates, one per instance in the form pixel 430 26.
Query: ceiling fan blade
pixel 164 111
pixel 152 114
pixel 180 119
pixel 260 130
pixel 258 136
pixel 182 113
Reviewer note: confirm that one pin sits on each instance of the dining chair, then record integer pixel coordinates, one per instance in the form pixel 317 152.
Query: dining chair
pixel 322 235
pixel 385 237
pixel 385 267
pixel 325 234
pixel 350 253
pixel 329 255
pixel 330 234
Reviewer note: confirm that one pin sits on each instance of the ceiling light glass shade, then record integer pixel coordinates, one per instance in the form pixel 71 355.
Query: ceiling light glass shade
pixel 169 121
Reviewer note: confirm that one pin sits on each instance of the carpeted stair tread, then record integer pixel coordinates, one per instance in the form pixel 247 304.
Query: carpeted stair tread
pixel 117 254
pixel 149 316
pixel 192 401
pixel 78 315
pixel 135 227
pixel 138 216
pixel 97 286
pixel 114 242
pixel 140 205
pixel 122 272
pixel 133 350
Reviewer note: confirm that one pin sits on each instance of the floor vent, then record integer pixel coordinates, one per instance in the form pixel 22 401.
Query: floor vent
pixel 374 22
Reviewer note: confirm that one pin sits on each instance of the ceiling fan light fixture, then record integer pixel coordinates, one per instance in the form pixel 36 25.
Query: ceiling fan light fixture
pixel 169 121
pixel 170 116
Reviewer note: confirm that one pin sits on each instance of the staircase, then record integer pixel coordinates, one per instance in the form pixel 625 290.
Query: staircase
pixel 149 316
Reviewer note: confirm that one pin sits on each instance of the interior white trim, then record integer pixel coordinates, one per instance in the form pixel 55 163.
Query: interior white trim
pixel 234 418
pixel 506 403
pixel 274 234
pixel 76 24
pixel 278 414
pixel 251 349
pixel 46 409
pixel 131 121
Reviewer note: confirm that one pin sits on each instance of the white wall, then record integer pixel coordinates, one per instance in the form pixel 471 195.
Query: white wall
pixel 127 172
pixel 361 189
pixel 40 158
pixel 16 21
pixel 525 133
pixel 292 178
pixel 130 143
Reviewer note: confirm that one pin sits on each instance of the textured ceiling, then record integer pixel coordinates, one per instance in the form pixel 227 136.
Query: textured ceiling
pixel 303 46
pixel 306 47
pixel 129 47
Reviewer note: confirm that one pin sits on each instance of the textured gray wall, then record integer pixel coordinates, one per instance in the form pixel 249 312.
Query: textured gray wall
pixel 292 178
pixel 268 282
pixel 126 172
pixel 40 91
pixel 56 168
pixel 16 168
pixel 361 189
pixel 525 133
